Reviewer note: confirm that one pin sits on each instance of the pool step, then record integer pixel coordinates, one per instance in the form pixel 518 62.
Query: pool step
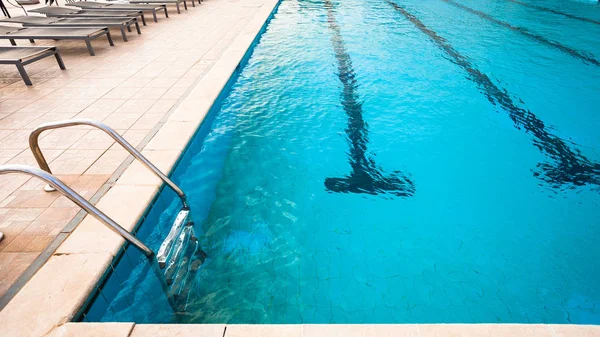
pixel 180 257
pixel 165 247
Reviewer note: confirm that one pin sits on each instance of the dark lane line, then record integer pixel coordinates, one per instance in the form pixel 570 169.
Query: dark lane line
pixel 550 10
pixel 569 167
pixel 366 176
pixel 580 55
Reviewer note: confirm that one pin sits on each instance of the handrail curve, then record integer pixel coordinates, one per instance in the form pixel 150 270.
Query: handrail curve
pixel 39 156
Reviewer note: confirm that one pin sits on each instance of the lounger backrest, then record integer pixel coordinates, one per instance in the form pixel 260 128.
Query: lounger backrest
pixel 54 10
pixel 31 19
pixel 7 29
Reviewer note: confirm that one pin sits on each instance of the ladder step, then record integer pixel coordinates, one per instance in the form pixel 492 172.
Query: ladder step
pixel 175 257
pixel 181 287
pixel 165 247
pixel 183 269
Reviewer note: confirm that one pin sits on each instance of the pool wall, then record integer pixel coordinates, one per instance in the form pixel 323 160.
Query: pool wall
pixel 165 203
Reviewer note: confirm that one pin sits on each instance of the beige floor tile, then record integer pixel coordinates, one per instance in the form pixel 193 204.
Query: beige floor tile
pixel 121 93
pixel 136 106
pixel 13 105
pixel 12 229
pixel 92 330
pixel 361 330
pixel 39 243
pixel 153 92
pixel 42 305
pixel 74 106
pixel 187 330
pixel 102 106
pixel 172 136
pixel 75 161
pixel 162 106
pixel 570 330
pixel 25 214
pixel 19 243
pixel 133 137
pixel 6 155
pixel 25 157
pixel 93 140
pixel 108 162
pixel 31 199
pixel 62 139
pixel 122 120
pixel 271 330
pixel 147 121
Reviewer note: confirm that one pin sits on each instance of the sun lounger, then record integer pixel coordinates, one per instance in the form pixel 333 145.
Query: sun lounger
pixel 62 12
pixel 32 33
pixel 22 56
pixel 154 2
pixel 40 21
pixel 122 6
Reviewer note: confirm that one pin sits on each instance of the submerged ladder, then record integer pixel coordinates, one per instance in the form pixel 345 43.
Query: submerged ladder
pixel 179 256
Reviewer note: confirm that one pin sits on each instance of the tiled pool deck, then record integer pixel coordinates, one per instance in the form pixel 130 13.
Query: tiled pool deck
pixel 156 90
pixel 131 87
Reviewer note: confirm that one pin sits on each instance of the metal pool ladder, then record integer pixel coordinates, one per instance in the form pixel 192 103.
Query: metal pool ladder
pixel 179 256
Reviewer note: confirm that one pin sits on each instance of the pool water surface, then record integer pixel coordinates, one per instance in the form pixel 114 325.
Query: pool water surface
pixel 393 161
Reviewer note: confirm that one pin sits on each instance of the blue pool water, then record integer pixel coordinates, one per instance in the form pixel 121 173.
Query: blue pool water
pixel 393 161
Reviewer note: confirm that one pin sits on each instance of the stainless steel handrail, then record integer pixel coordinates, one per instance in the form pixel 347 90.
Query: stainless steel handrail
pixel 79 200
pixel 39 157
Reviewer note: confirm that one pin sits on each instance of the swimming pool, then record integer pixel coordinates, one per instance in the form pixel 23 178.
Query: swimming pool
pixel 392 161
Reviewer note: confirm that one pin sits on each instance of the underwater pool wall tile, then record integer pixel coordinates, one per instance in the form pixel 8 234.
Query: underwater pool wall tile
pixel 263 330
pixel 53 295
pixel 92 330
pixel 170 330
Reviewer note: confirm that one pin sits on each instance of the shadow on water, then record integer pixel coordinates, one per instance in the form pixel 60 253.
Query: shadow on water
pixel 569 167
pixel 366 176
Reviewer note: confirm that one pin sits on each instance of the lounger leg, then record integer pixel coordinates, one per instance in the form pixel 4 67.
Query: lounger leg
pixel 88 43
pixel 123 33
pixel 185 4
pixel 194 3
pixel 23 74
pixel 32 40
pixel 110 41
pixel 154 15
pixel 129 28
pixel 178 10
pixel 143 19
pixel 166 12
pixel 59 61
pixel 137 27
pixel 12 42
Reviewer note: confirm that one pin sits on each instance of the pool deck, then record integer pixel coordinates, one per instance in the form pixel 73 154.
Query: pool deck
pixel 156 90
pixel 133 87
